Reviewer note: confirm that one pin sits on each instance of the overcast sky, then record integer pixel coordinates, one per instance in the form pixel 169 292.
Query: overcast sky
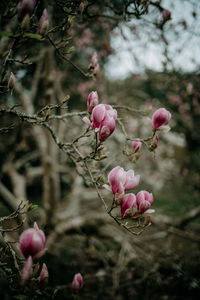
pixel 185 50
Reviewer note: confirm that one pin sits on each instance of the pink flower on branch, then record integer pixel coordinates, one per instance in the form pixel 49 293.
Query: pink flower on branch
pixel 121 181
pixel 44 274
pixel 128 205
pixel 93 100
pixel 32 242
pixel 160 119
pixel 27 271
pixel 43 23
pixel 103 120
pixel 144 201
pixel 25 7
pixel 77 282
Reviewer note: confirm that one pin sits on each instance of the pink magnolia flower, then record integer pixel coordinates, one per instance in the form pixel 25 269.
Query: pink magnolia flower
pixel 93 100
pixel 103 119
pixel 27 271
pixel 116 179
pixel 136 146
pixel 128 205
pixel 25 7
pixel 144 201
pixel 32 242
pixel 44 274
pixel 132 181
pixel 160 119
pixel 77 282
pixel 44 23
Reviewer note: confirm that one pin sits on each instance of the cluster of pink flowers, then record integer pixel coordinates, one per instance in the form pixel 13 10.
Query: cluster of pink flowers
pixel 103 117
pixel 32 245
pixel 121 181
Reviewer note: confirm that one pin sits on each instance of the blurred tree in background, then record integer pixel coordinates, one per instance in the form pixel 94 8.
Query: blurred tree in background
pixel 52 166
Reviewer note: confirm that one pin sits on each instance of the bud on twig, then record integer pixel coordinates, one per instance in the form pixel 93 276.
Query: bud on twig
pixel 26 273
pixel 44 274
pixel 77 282
pixel 25 7
pixel 44 23
pixel 11 81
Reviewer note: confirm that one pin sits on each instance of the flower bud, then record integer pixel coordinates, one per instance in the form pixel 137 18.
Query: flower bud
pixel 160 119
pixel 144 201
pixel 136 146
pixel 93 100
pixel 26 22
pixel 116 179
pixel 32 242
pixel 166 15
pixel 94 64
pixel 128 205
pixel 25 7
pixel 11 81
pixel 77 282
pixel 44 23
pixel 44 274
pixel 26 272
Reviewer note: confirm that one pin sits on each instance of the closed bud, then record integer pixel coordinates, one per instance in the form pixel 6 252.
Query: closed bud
pixel 25 7
pixel 166 15
pixel 93 100
pixel 77 282
pixel 26 22
pixel 44 274
pixel 32 242
pixel 136 146
pixel 26 273
pixel 160 119
pixel 11 81
pixel 128 205
pixel 44 23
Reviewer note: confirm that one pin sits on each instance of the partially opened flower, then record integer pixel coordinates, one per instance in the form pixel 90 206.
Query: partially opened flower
pixel 77 282
pixel 160 119
pixel 128 205
pixel 32 242
pixel 144 201
pixel 27 271
pixel 106 128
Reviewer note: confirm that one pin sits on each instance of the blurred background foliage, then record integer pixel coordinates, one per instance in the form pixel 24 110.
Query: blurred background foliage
pixel 163 263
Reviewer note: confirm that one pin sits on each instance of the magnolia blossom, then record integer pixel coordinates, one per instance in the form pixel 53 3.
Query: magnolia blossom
pixel 44 23
pixel 93 100
pixel 44 274
pixel 144 201
pixel 77 282
pixel 128 205
pixel 103 120
pixel 121 181
pixel 25 7
pixel 160 119
pixel 32 242
pixel 27 271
